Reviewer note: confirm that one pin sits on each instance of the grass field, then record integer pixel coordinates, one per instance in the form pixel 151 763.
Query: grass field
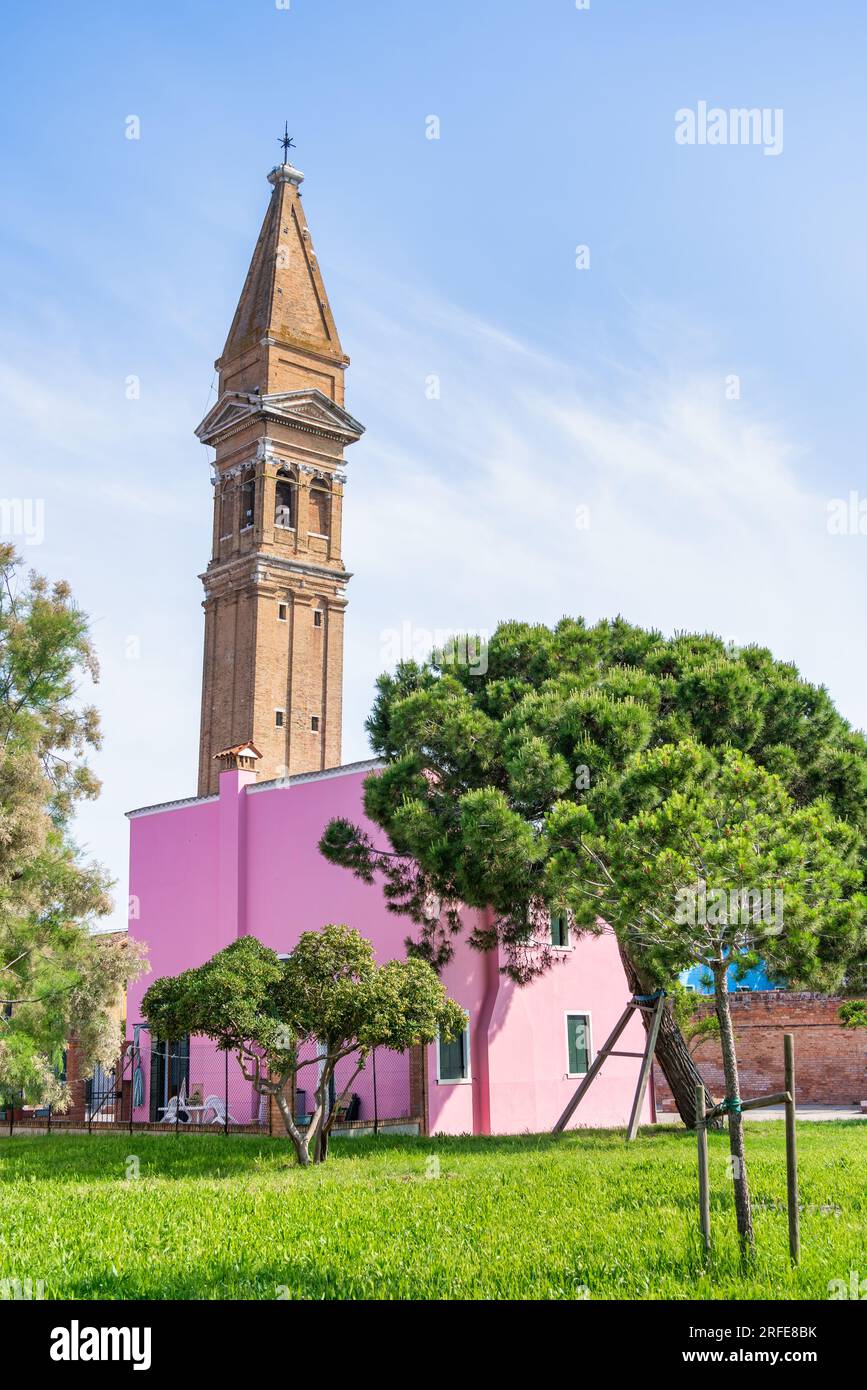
pixel 532 1217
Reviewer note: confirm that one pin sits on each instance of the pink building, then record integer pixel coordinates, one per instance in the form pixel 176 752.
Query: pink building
pixel 242 856
pixel 207 870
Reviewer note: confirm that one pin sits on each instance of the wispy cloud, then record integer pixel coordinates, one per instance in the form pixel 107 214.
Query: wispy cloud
pixel 698 513
pixel 460 511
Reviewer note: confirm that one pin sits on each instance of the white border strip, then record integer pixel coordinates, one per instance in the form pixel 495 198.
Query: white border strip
pixel 276 785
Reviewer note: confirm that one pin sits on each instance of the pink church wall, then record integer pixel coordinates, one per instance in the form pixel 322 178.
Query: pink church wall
pixel 174 889
pixel 247 862
pixel 529 1081
pixel 459 1107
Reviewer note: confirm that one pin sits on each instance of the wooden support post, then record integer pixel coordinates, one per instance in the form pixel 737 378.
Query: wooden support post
pixel 635 1005
pixel 649 1048
pixel 757 1103
pixel 761 1102
pixel 595 1067
pixel 792 1152
pixel 703 1185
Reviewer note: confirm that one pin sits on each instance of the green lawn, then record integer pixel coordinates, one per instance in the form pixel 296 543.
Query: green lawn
pixel 529 1217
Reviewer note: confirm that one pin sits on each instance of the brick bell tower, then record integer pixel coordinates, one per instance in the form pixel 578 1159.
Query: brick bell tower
pixel 275 585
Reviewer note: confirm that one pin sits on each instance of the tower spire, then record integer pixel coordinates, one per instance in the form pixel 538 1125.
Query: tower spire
pixel 283 327
pixel 275 586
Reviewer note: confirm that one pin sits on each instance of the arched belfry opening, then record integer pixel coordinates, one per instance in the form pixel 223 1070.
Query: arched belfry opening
pixel 286 500
pixel 320 508
pixel 248 498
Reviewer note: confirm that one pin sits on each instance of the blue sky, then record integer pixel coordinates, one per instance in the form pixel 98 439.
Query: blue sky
pixel 561 388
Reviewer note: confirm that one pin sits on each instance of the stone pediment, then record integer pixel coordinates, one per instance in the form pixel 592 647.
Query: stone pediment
pixel 309 409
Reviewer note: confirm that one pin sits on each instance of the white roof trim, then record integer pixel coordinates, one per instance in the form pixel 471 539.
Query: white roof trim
pixel 171 805
pixel 345 771
pixel 278 784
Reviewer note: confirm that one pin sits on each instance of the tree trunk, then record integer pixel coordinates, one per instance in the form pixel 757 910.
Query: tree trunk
pixel 300 1141
pixel 672 1053
pixel 334 1111
pixel 736 1123
pixel 317 1131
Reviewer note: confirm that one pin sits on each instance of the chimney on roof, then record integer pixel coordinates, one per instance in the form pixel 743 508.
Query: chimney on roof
pixel 242 758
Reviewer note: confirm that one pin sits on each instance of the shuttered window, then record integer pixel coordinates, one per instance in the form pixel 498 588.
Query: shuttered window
pixel 559 929
pixel 578 1043
pixel 454 1058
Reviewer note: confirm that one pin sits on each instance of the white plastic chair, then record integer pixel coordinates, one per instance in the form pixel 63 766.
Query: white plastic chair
pixel 170 1112
pixel 217 1104
pixel 179 1102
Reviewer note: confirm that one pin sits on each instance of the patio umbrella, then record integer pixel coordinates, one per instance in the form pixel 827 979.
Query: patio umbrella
pixel 137 1071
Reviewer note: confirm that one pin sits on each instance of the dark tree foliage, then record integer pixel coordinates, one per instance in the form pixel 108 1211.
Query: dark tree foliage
pixel 476 762
pixel 483 761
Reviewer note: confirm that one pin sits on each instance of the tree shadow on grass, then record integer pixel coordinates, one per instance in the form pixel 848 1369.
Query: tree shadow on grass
pixel 333 1278
pixel 213 1281
pixel 104 1158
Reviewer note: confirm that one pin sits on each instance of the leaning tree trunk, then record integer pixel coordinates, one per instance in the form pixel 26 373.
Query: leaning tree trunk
pixel 672 1053
pixel 743 1208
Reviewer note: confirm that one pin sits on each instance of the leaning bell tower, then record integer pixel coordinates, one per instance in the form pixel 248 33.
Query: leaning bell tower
pixel 275 586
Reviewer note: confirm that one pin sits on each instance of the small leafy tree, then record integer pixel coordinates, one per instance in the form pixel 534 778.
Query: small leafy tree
pixel 710 862
pixel 329 999
pixel 697 1027
pixel 57 979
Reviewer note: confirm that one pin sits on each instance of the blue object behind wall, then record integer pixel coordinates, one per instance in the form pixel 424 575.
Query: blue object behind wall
pixel 754 979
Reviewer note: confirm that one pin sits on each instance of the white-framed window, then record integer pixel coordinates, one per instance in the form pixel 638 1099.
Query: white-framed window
pixel 579 1043
pixel 453 1059
pixel 559 929
pixel 279 718
pixel 282 612
pixel 314 723
pixel 317 617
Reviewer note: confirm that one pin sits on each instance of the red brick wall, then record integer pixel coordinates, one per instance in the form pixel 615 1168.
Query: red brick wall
pixel 76 1084
pixel 830 1060
pixel 418 1085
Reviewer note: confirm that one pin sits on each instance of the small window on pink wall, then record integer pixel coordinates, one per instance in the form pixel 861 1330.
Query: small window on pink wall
pixel 578 1043
pixel 453 1058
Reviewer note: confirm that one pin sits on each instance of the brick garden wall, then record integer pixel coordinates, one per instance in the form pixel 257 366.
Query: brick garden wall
pixel 830 1060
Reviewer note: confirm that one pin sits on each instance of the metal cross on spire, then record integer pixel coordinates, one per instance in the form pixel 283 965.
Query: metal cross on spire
pixel 287 142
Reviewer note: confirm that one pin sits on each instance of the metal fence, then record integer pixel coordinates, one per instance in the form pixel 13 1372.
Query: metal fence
pixel 190 1085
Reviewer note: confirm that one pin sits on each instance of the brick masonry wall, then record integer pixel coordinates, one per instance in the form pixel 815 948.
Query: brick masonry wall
pixel 418 1086
pixel 77 1085
pixel 830 1060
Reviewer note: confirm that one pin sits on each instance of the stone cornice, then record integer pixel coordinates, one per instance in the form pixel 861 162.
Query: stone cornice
pixel 265 454
pixel 303 350
pixel 254 566
pixel 308 411
pixel 300 450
